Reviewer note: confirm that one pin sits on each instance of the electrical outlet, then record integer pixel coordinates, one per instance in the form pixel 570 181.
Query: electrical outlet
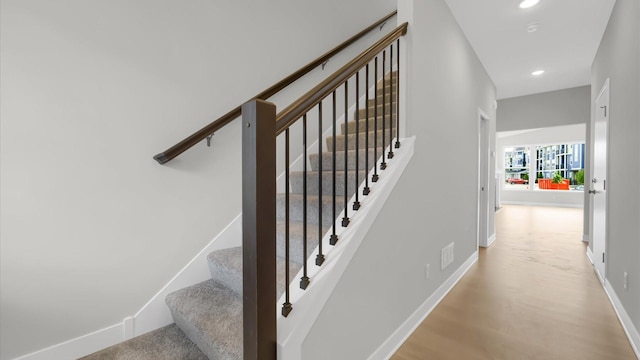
pixel 427 271
pixel 626 280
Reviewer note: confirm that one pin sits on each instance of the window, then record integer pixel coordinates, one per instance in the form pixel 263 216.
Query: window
pixel 556 167
pixel 516 167
pixel 564 162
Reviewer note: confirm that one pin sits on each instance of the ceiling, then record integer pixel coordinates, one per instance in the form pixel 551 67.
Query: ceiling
pixel 564 46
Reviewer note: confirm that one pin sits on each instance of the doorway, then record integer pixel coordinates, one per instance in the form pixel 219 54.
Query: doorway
pixel 598 191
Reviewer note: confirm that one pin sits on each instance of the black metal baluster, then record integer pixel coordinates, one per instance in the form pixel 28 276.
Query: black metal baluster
pixel 356 204
pixel 345 219
pixel 375 177
pixel 304 281
pixel 366 189
pixel 383 164
pixel 398 95
pixel 320 256
pixel 286 307
pixel 391 108
pixel 334 238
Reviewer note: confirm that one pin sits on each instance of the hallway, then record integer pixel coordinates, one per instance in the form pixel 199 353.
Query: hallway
pixel 532 295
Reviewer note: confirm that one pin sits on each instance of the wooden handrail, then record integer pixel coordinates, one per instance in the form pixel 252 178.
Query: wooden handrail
pixel 305 103
pixel 201 134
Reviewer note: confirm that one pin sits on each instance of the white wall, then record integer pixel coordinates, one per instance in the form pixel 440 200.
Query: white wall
pixel 385 282
pixel 92 227
pixel 545 136
pixel 618 58
pixel 553 108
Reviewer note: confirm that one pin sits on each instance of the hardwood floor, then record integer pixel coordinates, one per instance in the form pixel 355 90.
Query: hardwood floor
pixel 532 295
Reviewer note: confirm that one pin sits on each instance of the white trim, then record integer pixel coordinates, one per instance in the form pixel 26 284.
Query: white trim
pixel 127 325
pixel 625 320
pixel 393 343
pixel 308 303
pixel 585 237
pixel 590 255
pixel 490 241
pixel 80 346
pixel 527 203
pixel 155 313
pixel 482 116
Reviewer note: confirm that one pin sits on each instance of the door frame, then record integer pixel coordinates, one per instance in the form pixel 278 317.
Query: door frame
pixel 596 257
pixel 484 138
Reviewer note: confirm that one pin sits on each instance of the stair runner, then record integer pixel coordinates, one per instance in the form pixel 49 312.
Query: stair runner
pixel 210 313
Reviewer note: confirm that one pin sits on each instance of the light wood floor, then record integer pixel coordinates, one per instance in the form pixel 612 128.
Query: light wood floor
pixel 531 295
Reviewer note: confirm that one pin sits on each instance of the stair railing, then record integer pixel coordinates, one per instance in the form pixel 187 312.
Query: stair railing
pixel 260 129
pixel 208 131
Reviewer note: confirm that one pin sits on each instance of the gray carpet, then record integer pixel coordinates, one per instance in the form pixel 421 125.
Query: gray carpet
pixel 208 315
pixel 167 343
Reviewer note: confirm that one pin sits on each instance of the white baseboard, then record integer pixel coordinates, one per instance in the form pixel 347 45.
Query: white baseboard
pixel 393 343
pixel 80 346
pixel 490 241
pixel 526 203
pixel 590 255
pixel 492 238
pixel 625 320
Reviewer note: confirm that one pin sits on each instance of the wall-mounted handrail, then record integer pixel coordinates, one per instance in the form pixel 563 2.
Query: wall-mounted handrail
pixel 293 112
pixel 216 125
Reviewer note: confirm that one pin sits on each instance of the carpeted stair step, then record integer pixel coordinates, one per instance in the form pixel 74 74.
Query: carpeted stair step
pixel 362 113
pixel 210 314
pixel 297 182
pixel 372 102
pixel 226 268
pixel 296 232
pixel 373 124
pixel 295 208
pixel 327 159
pixel 387 87
pixel 362 136
pixel 166 343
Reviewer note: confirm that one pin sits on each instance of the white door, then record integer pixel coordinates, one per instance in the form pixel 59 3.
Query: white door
pixel 483 183
pixel 598 191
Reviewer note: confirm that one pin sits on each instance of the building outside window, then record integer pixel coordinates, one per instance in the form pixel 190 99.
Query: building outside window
pixel 516 167
pixel 556 167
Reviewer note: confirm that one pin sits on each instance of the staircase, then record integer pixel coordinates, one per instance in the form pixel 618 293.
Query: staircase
pixel 209 314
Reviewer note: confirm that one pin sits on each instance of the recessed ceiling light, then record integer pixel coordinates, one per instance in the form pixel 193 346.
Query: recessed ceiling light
pixel 537 72
pixel 528 3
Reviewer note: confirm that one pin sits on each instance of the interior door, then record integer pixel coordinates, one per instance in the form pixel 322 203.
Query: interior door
pixel 598 191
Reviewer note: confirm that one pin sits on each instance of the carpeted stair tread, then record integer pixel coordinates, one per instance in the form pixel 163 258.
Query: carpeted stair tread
pixel 362 136
pixel 296 236
pixel 210 314
pixel 390 100
pixel 295 208
pixel 386 110
pixel 373 125
pixel 226 268
pixel 297 182
pixel 327 159
pixel 166 343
